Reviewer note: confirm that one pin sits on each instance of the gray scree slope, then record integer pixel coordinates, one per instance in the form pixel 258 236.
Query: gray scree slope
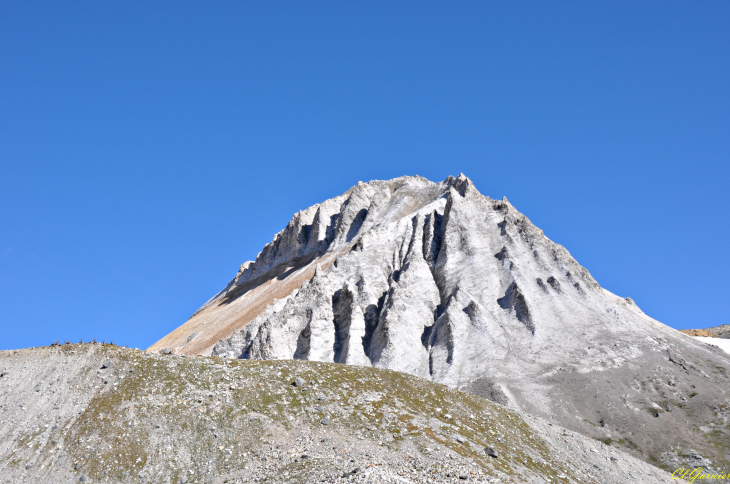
pixel 93 413
pixel 439 281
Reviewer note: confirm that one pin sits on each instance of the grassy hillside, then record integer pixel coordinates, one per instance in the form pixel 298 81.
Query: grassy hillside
pixel 168 419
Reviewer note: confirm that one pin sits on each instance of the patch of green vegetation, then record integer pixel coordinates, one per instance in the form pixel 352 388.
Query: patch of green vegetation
pixel 208 409
pixel 627 443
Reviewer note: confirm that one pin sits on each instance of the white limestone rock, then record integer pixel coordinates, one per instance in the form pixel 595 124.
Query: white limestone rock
pixel 437 280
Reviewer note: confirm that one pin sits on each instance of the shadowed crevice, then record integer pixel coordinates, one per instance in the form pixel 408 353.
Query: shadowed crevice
pixel 303 341
pixel 356 224
pixel 515 300
pixel 432 238
pixel 342 301
pixel 372 316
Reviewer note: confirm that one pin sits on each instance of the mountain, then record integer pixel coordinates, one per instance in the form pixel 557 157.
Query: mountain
pixel 441 282
pixel 722 331
pixel 98 413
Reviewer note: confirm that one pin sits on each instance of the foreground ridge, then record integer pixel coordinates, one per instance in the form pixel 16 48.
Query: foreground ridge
pixel 92 413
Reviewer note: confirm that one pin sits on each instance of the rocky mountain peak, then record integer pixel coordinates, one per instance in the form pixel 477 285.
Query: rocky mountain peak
pixel 441 282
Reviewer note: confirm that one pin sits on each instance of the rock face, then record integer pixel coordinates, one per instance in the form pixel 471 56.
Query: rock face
pixel 436 280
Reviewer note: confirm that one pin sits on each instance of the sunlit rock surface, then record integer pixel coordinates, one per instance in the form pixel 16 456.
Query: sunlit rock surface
pixel 439 281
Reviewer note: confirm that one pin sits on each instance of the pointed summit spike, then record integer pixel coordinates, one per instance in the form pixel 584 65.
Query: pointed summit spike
pixel 463 185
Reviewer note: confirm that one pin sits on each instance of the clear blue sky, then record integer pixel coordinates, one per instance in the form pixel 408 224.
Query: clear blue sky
pixel 149 148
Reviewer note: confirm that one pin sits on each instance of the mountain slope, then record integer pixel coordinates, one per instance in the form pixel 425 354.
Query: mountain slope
pixel 436 280
pixel 93 413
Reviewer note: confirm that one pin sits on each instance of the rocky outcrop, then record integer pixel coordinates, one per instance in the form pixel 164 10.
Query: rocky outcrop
pixel 722 331
pixel 439 281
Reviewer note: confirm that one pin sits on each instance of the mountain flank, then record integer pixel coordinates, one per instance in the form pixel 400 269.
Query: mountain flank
pixel 438 281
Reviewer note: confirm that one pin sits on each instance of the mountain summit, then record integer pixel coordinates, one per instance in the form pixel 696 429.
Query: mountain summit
pixel 439 281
